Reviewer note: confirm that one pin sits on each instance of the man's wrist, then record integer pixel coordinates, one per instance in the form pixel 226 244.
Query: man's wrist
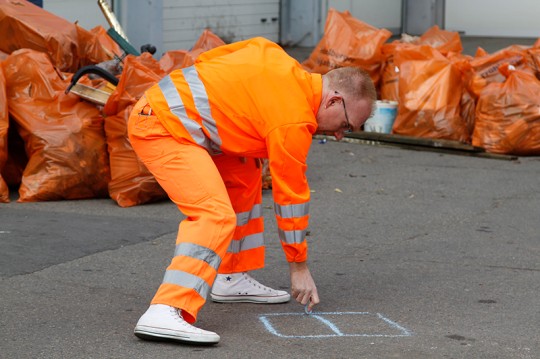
pixel 297 266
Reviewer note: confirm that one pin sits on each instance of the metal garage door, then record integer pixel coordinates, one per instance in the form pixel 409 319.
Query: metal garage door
pixel 232 20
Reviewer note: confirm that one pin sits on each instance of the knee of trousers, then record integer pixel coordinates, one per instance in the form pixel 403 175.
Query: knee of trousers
pixel 225 216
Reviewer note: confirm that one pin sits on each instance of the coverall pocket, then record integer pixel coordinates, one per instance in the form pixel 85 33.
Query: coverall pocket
pixel 148 126
pixel 144 122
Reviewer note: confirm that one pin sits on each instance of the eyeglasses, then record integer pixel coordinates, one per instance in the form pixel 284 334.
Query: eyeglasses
pixel 349 127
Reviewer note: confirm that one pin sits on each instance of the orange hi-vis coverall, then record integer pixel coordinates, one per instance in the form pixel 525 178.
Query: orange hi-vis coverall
pixel 201 131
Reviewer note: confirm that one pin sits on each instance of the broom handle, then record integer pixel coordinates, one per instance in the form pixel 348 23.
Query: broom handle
pixel 111 18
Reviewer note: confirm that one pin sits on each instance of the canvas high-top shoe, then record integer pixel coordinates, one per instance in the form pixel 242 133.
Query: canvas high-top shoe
pixel 241 287
pixel 163 322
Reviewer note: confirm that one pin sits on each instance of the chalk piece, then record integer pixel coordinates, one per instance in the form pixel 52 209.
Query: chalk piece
pixel 306 310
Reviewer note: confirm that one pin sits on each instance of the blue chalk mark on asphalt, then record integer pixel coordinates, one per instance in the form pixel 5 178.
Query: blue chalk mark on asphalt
pixel 267 322
pixel 395 325
pixel 329 324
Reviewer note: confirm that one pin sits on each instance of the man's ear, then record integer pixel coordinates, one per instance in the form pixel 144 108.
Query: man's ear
pixel 333 99
pixel 329 102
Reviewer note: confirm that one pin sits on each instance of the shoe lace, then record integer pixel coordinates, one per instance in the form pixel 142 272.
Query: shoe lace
pixel 255 283
pixel 177 315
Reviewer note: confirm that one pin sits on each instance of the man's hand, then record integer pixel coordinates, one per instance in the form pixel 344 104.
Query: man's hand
pixel 303 287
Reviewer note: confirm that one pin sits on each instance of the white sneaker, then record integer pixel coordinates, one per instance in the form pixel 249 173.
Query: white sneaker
pixel 163 322
pixel 241 287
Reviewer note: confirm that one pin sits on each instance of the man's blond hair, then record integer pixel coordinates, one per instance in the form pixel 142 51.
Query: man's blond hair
pixel 352 81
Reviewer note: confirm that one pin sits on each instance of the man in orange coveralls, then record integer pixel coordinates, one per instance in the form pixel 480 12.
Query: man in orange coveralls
pixel 201 131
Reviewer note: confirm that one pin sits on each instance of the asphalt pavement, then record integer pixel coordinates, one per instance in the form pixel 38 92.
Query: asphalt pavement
pixel 416 254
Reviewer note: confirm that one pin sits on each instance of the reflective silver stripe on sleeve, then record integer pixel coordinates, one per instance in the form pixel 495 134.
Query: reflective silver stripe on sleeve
pixel 242 218
pixel 248 242
pixel 291 237
pixel 292 210
pixel 199 252
pixel 178 109
pixel 187 280
pixel 200 97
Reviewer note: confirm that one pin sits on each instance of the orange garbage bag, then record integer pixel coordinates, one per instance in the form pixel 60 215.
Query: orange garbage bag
pixel 131 183
pixel 484 67
pixel 4 125
pixel 25 25
pixel 468 101
pixel 348 41
pixel 534 55
pixel 430 92
pixel 96 46
pixel 468 111
pixel 172 60
pixel 63 135
pixel 445 42
pixel 508 114
pixel 389 84
pixel 207 41
pixel 177 59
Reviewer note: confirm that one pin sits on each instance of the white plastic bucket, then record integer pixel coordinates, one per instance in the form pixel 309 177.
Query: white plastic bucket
pixel 383 117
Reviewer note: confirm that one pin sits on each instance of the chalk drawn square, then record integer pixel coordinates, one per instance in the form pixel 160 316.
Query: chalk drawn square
pixel 299 325
pixel 332 324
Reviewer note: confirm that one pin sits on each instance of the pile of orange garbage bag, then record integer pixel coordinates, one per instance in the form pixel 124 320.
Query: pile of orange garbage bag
pixel 442 93
pixel 56 146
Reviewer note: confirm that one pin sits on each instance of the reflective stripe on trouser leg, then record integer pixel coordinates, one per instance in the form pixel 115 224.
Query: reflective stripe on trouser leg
pixel 190 178
pixel 243 180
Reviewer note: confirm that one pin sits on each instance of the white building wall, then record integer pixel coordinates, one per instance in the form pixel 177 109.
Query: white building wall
pixel 516 18
pixel 379 13
pixel 86 13
pixel 176 24
pixel 231 20
pixel 496 18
